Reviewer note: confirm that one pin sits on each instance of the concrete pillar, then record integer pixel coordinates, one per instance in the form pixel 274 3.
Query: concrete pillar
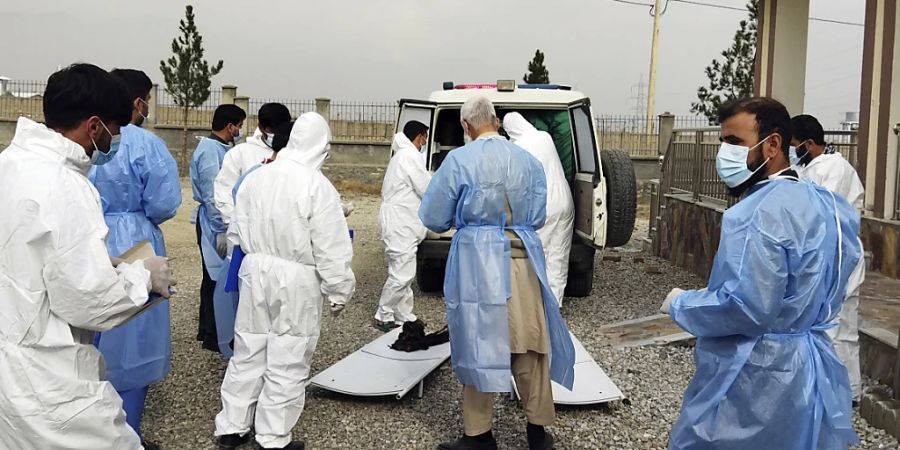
pixel 880 107
pixel 243 103
pixel 666 127
pixel 781 52
pixel 323 107
pixel 153 103
pixel 229 94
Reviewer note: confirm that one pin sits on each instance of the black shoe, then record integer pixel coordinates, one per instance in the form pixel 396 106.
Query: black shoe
pixel 384 326
pixel 294 445
pixel 481 442
pixel 543 444
pixel 149 445
pixel 211 346
pixel 233 441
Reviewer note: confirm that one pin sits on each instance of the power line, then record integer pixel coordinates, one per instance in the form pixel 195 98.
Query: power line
pixel 735 8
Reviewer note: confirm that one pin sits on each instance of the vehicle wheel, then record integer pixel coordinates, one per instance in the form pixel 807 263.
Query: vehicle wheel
pixel 621 196
pixel 580 284
pixel 430 275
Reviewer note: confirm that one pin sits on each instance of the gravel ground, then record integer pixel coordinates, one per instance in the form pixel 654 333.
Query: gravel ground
pixel 181 410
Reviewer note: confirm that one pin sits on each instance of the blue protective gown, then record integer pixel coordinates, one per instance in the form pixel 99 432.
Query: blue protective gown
pixel 469 192
pixel 205 166
pixel 139 189
pixel 767 375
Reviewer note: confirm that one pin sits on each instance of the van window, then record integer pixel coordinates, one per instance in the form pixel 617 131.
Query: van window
pixel 584 140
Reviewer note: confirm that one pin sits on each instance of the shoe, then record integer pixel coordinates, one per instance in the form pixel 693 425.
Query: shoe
pixel 294 445
pixel 545 444
pixel 149 445
pixel 384 326
pixel 211 346
pixel 481 442
pixel 233 441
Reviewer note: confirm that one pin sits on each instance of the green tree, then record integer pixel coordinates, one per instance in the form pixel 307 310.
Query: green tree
pixel 187 75
pixel 731 78
pixel 537 72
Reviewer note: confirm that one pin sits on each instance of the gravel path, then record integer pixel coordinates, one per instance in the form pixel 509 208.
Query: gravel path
pixel 181 410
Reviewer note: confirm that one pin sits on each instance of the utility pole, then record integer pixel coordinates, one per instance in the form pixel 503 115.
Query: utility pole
pixel 651 96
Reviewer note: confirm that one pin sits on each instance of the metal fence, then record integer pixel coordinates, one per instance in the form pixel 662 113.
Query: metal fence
pixel 22 98
pixel 689 167
pixel 632 135
pixel 363 122
pixel 169 113
pixel 296 107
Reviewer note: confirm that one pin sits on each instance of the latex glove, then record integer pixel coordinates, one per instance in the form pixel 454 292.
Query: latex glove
pixel 336 309
pixel 222 244
pixel 668 301
pixel 347 207
pixel 160 276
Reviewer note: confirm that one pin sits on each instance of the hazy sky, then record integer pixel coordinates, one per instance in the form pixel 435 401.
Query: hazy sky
pixel 382 50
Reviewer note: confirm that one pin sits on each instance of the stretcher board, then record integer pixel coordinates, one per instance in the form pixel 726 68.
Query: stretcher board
pixel 592 385
pixel 376 370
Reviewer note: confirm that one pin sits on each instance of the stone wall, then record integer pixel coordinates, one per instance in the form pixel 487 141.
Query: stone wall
pixel 688 233
pixel 882 239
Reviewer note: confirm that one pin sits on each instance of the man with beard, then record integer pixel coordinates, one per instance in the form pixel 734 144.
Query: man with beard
pixel 767 374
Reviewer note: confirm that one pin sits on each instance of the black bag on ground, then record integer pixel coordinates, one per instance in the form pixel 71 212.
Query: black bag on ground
pixel 413 337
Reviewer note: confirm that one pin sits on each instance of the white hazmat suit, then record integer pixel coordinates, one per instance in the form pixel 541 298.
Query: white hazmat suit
pixel 834 173
pixel 237 161
pixel 405 181
pixel 556 234
pixel 288 221
pixel 57 286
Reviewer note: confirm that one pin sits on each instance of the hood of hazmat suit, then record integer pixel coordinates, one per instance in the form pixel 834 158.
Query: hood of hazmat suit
pixel 405 181
pixel 235 163
pixel 139 189
pixel 56 284
pixel 470 191
pixel 288 221
pixel 766 371
pixel 556 234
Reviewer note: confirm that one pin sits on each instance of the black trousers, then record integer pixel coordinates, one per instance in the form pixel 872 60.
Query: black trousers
pixel 207 329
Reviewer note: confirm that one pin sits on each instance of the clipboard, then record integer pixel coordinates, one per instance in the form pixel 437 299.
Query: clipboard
pixel 141 250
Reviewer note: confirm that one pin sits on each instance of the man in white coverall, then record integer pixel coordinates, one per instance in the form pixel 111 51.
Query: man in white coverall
pixel 243 157
pixel 57 283
pixel 288 221
pixel 833 172
pixel 556 234
pixel 405 181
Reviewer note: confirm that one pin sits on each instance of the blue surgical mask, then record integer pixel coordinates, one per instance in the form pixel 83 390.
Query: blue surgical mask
pixel 270 138
pixel 99 158
pixel 795 158
pixel 731 163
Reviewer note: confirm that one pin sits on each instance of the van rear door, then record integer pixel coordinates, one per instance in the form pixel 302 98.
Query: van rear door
pixel 589 193
pixel 421 110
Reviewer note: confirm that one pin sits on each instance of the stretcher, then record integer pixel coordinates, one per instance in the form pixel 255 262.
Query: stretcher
pixel 592 385
pixel 376 370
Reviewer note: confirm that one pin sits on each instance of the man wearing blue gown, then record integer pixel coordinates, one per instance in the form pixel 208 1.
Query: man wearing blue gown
pixel 503 319
pixel 211 229
pixel 767 376
pixel 139 190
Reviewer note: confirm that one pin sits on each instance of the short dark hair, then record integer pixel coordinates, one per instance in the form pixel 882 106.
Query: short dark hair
pixel 273 114
pixel 771 117
pixel 282 135
pixel 227 114
pixel 414 128
pixel 81 91
pixel 807 127
pixel 137 82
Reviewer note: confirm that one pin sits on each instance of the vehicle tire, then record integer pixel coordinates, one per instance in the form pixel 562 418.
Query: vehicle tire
pixel 580 284
pixel 621 196
pixel 430 275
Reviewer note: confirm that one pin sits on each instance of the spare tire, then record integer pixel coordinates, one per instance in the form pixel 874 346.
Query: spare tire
pixel 621 196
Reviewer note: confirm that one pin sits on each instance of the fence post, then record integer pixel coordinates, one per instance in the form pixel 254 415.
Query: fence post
pixel 666 128
pixel 698 165
pixel 153 104
pixel 243 103
pixel 323 107
pixel 229 95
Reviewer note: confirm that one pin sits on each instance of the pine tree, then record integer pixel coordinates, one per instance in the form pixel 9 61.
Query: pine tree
pixel 537 72
pixel 187 75
pixel 732 78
